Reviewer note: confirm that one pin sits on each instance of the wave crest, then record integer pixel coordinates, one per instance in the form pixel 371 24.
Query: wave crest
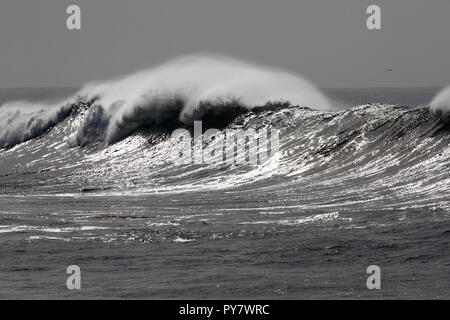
pixel 188 88
pixel 180 91
pixel 440 106
pixel 23 121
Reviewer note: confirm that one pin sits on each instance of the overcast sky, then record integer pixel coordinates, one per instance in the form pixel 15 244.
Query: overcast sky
pixel 326 41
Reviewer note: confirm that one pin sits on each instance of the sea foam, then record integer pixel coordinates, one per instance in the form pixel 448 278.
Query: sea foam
pixel 183 90
pixel 440 106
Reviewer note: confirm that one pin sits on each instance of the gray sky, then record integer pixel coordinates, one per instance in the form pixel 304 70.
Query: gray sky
pixel 326 41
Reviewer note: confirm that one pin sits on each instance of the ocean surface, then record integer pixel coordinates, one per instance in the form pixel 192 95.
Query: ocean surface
pixel 364 184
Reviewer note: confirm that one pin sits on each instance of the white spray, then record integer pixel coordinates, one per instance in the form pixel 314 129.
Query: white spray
pixel 440 106
pixel 180 85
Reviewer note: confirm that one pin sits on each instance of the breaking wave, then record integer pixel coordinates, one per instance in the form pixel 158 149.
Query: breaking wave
pixel 440 106
pixel 22 121
pixel 207 87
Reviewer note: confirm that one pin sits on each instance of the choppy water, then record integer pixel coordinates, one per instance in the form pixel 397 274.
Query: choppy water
pixel 352 188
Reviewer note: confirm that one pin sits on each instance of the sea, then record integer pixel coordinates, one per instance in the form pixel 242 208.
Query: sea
pixel 364 184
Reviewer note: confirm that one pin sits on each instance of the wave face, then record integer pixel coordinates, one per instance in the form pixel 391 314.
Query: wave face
pixel 379 155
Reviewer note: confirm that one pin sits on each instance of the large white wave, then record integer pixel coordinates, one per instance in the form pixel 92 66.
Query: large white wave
pixel 440 106
pixel 21 121
pixel 191 82
pixel 184 86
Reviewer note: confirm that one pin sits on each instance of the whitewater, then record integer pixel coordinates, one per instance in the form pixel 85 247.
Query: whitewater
pixel 88 180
